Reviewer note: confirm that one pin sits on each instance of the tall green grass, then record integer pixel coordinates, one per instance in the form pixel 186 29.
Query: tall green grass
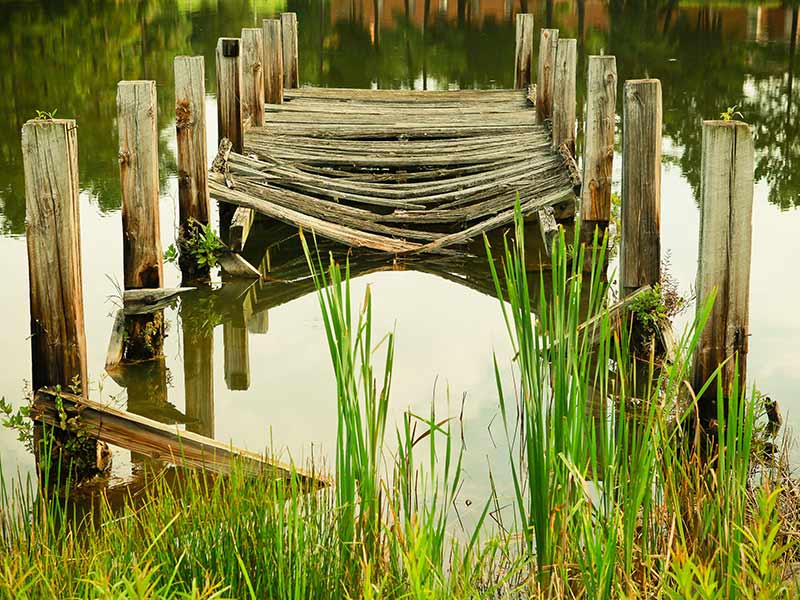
pixel 614 492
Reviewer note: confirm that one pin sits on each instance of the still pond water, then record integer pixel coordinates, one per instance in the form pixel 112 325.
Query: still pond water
pixel 69 56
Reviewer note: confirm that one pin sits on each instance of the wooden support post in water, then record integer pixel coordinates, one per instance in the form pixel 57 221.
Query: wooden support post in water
pixel 52 215
pixel 726 208
pixel 291 68
pixel 640 256
pixel 523 53
pixel 253 77
pixel 138 166
pixel 564 94
pixel 190 125
pixel 598 153
pixel 273 61
pixel 545 74
pixel 230 123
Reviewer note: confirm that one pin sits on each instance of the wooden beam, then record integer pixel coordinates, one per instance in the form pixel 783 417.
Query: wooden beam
pixel 291 68
pixel 564 95
pixel 52 216
pixel 253 76
pixel 726 208
pixel 273 61
pixel 241 223
pixel 598 154
pixel 545 74
pixel 150 300
pixel 523 52
pixel 548 228
pixel 640 253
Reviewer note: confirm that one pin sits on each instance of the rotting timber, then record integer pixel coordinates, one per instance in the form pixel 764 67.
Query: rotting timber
pixel 403 172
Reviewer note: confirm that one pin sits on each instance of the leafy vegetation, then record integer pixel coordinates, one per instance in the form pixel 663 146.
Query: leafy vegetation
pixel 200 242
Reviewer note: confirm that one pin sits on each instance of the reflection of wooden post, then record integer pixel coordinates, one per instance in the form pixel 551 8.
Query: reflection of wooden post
pixel 198 376
pixel 726 208
pixel 523 53
pixel 190 125
pixel 58 339
pixel 598 154
pixel 564 102
pixel 273 61
pixel 545 74
pixel 138 167
pixel 291 69
pixel 640 256
pixel 253 76
pixel 235 340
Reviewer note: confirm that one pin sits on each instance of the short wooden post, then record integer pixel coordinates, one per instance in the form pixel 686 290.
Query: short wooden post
pixel 229 92
pixel 598 154
pixel 273 61
pixel 726 208
pixel 291 67
pixel 523 53
pixel 545 74
pixel 52 214
pixel 253 76
pixel 190 126
pixel 564 94
pixel 138 167
pixel 640 255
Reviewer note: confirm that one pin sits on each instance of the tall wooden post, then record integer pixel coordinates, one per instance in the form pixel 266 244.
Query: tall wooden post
pixel 545 74
pixel 640 256
pixel 523 53
pixel 253 76
pixel 598 154
pixel 273 61
pixel 291 67
pixel 230 123
pixel 52 214
pixel 138 167
pixel 190 125
pixel 726 208
pixel 564 94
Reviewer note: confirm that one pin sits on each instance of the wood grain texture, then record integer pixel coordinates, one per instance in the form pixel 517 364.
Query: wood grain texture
pixel 138 167
pixel 564 94
pixel 273 61
pixel 241 223
pixel 291 67
pixel 52 215
pixel 726 208
pixel 230 122
pixel 545 74
pixel 253 76
pixel 523 51
pixel 598 154
pixel 640 253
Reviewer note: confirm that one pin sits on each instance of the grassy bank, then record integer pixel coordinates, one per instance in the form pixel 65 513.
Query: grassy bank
pixel 615 494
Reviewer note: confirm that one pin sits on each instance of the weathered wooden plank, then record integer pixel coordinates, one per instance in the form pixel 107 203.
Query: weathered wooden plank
pixel 726 207
pixel 253 76
pixel 273 61
pixel 291 68
pixel 234 265
pixel 523 51
pixel 138 166
pixel 116 343
pixel 148 300
pixel 52 217
pixel 640 253
pixel 230 121
pixel 157 440
pixel 241 223
pixel 598 155
pixel 564 94
pixel 548 228
pixel 545 74
pixel 348 94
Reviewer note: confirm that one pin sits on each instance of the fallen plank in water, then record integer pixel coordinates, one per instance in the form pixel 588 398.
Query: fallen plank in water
pixel 144 301
pixel 234 265
pixel 156 440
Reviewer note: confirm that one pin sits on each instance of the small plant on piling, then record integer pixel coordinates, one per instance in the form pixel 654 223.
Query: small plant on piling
pixel 199 242
pixel 46 115
pixel 731 113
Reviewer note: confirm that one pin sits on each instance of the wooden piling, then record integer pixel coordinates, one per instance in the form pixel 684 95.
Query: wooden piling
pixel 229 92
pixel 52 214
pixel 273 61
pixel 253 76
pixel 523 53
pixel 726 207
pixel 138 167
pixel 564 94
pixel 545 74
pixel 291 68
pixel 640 255
pixel 598 154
